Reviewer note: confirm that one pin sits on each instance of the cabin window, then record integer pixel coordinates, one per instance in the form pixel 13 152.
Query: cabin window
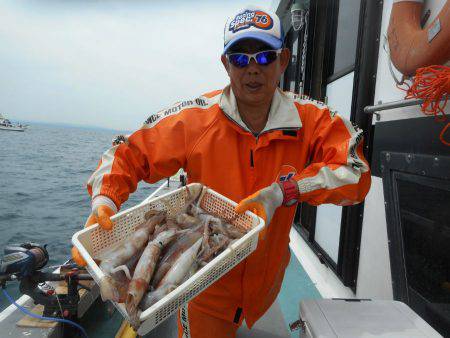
pixel 328 218
pixel 346 36
pixel 328 231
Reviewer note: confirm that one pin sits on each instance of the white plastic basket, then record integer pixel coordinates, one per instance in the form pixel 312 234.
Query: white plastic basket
pixel 93 241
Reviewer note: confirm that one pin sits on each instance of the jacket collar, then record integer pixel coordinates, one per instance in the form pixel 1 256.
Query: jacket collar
pixel 282 115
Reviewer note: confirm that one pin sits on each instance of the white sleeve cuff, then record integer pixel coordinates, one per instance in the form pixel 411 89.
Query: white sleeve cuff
pixel 103 200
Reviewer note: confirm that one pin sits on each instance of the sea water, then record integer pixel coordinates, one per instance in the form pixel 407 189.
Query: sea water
pixel 43 196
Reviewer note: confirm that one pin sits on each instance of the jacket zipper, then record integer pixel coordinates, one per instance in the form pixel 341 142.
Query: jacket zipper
pixel 252 163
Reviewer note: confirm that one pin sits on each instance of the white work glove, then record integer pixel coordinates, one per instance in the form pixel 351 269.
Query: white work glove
pixel 263 203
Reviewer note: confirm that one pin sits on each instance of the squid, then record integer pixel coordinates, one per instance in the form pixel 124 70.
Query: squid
pixel 170 224
pixel 206 234
pixel 155 296
pixel 233 231
pixel 144 271
pixel 126 270
pixel 219 228
pixel 186 221
pixel 218 225
pixel 194 193
pixel 181 266
pixel 173 252
pixel 120 255
pixel 196 211
pixel 219 243
pixel 191 272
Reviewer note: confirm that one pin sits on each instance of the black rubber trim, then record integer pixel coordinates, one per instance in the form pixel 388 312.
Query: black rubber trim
pixel 237 316
pixel 290 133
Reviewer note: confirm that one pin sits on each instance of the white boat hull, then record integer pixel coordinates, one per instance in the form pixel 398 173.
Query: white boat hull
pixel 12 128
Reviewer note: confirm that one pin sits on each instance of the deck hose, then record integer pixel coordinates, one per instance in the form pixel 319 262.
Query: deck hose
pixel 34 315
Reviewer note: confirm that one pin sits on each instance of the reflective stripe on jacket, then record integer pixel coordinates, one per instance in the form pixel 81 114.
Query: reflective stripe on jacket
pixel 208 139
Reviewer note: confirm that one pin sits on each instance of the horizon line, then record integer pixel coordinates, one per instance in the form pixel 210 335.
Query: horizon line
pixel 68 124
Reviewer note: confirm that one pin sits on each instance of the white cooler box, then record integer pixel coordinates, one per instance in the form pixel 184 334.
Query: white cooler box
pixel 341 318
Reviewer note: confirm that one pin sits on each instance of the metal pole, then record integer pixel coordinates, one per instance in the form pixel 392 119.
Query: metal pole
pixel 394 104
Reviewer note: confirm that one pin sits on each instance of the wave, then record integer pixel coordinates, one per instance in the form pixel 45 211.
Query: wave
pixel 8 216
pixel 22 194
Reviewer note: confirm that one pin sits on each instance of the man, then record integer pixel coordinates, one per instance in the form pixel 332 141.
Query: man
pixel 248 139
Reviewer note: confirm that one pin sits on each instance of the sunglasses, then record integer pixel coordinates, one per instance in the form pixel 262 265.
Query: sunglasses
pixel 262 58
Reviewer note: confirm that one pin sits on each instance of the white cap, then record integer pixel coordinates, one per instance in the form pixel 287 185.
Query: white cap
pixel 253 23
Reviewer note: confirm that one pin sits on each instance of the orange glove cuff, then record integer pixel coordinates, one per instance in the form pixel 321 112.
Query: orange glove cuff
pixel 103 217
pixel 77 257
pixel 255 207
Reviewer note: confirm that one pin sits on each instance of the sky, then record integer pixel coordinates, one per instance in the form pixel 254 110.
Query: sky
pixel 109 63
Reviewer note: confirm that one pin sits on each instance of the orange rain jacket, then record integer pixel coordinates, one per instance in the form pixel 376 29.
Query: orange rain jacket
pixel 208 139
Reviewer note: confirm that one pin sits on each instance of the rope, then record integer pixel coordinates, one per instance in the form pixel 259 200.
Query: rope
pixel 432 85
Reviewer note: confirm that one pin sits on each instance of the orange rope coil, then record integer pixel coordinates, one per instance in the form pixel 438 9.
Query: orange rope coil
pixel 432 85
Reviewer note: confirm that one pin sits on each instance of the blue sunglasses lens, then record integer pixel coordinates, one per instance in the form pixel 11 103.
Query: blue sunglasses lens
pixel 262 58
pixel 238 60
pixel 265 58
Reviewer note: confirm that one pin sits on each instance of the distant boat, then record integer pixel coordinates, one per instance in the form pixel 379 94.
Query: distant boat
pixel 5 124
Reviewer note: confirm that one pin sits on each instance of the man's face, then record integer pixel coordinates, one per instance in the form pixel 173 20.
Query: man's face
pixel 255 84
